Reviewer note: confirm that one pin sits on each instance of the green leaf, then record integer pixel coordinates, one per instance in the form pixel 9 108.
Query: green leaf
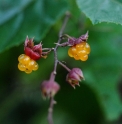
pixel 103 69
pixel 9 9
pixel 32 18
pixel 101 10
pixel 8 30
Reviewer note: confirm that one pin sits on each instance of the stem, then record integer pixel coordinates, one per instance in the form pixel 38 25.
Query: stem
pixel 64 66
pixel 66 36
pixel 59 40
pixel 67 15
pixel 47 52
pixel 50 110
pixel 47 49
pixel 52 102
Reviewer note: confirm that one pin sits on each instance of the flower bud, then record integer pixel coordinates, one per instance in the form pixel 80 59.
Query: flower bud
pixel 74 76
pixel 34 52
pixel 49 88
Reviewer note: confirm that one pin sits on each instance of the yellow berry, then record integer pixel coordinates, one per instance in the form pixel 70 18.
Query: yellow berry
pixel 28 71
pixel 70 52
pixel 87 48
pixel 84 58
pixel 80 46
pixel 76 57
pixel 30 65
pixel 21 67
pixel 21 57
pixel 73 50
pixel 27 64
pixel 81 53
pixel 35 67
pixel 26 60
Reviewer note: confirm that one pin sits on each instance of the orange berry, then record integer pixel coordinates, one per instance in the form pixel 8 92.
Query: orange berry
pixel 76 57
pixel 73 50
pixel 21 67
pixel 27 64
pixel 28 71
pixel 30 65
pixel 80 46
pixel 35 67
pixel 87 48
pixel 81 53
pixel 21 57
pixel 26 60
pixel 70 52
pixel 84 58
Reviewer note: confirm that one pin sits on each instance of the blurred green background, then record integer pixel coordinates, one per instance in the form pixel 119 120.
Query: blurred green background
pixel 96 101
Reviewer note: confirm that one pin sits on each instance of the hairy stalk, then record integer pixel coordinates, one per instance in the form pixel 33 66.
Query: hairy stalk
pixel 52 101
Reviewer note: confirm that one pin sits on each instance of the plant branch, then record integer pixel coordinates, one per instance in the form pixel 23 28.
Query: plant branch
pixel 59 40
pixel 50 110
pixel 49 49
pixel 67 15
pixel 64 66
pixel 52 102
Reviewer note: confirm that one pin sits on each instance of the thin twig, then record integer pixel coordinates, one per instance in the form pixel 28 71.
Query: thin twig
pixel 52 102
pixel 64 66
pixel 47 52
pixel 47 49
pixel 59 40
pixel 50 110
pixel 64 23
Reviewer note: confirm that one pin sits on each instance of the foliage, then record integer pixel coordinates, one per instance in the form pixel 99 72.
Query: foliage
pixel 98 99
pixel 102 10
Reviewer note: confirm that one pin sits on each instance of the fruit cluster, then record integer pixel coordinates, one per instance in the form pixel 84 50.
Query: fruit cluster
pixel 27 64
pixel 79 51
